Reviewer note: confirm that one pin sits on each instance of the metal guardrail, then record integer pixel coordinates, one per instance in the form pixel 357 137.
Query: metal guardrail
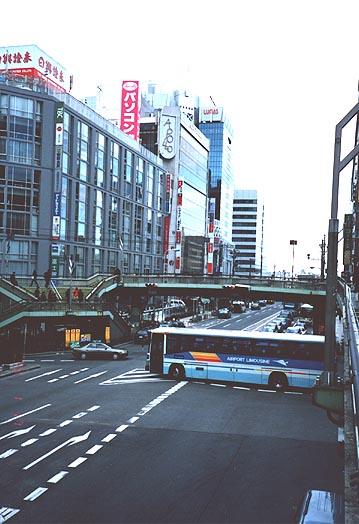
pixel 353 341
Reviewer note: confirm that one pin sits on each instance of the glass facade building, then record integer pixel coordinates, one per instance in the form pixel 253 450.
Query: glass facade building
pixel 89 192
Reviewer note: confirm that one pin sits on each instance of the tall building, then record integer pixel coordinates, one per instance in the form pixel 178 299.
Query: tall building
pixel 246 234
pixel 72 185
pixel 215 126
pixel 171 134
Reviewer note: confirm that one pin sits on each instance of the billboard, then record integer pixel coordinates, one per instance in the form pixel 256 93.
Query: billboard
pixel 130 108
pixel 168 136
pixel 31 61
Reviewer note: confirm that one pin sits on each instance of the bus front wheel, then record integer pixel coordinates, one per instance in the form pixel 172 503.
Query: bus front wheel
pixel 177 372
pixel 278 381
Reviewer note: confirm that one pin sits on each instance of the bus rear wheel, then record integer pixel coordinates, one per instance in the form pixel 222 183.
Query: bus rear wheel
pixel 177 372
pixel 278 381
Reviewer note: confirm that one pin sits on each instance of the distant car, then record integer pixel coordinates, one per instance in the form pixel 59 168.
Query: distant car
pixel 269 328
pixel 98 350
pixel 275 326
pixel 142 336
pixel 298 330
pixel 224 312
pixel 255 305
pixel 238 306
pixel 262 302
pixel 285 322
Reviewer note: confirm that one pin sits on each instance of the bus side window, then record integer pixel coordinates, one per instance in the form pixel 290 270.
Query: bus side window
pixel 261 348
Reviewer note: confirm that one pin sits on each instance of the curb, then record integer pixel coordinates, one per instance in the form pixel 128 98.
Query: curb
pixel 19 368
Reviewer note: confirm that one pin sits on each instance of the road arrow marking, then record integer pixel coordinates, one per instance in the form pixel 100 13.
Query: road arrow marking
pixel 16 433
pixel 70 442
pixel 8 453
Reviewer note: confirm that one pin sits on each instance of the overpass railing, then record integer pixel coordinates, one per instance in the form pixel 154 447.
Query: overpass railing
pixel 353 368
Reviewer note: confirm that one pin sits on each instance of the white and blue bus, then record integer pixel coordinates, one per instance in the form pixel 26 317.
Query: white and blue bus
pixel 278 360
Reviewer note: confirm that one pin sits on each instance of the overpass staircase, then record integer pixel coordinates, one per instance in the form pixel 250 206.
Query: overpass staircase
pixel 19 303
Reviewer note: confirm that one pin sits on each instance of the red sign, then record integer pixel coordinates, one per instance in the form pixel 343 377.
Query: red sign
pixel 130 109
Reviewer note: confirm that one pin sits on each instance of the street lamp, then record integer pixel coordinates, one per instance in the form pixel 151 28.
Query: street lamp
pixel 293 243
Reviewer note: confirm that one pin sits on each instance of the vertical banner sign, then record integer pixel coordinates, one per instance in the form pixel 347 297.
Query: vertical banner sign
pixel 210 238
pixel 167 136
pixel 130 109
pixel 179 225
pixel 59 129
pixel 347 238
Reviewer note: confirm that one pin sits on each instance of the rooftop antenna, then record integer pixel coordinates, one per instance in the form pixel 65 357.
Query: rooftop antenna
pixel 212 101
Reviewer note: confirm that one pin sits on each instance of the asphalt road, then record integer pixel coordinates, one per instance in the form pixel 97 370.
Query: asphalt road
pixel 106 442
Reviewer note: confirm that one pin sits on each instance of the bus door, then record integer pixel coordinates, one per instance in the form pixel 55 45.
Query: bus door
pixel 156 353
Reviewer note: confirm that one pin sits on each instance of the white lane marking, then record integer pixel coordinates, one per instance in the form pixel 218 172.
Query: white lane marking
pixel 43 375
pixel 77 462
pixel 65 423
pixel 109 437
pixel 93 408
pixel 157 401
pixel 80 415
pixel 59 476
pixel 7 513
pixel 94 449
pixel 29 442
pixel 35 494
pixel 24 414
pixel 122 428
pixel 91 376
pixel 134 376
pixel 47 432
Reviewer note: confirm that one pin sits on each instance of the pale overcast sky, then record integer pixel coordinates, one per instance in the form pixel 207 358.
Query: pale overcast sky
pixel 286 72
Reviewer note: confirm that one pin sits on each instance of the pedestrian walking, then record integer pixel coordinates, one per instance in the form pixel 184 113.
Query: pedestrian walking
pixel 76 293
pixel 118 276
pixel 13 279
pixel 47 277
pixel 34 279
pixel 80 296
pixel 37 293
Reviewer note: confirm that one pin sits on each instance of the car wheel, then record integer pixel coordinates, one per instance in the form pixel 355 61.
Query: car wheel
pixel 177 372
pixel 278 381
pixel 115 356
pixel 83 356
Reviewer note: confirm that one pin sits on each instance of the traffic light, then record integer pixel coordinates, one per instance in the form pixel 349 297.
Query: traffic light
pixel 151 284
